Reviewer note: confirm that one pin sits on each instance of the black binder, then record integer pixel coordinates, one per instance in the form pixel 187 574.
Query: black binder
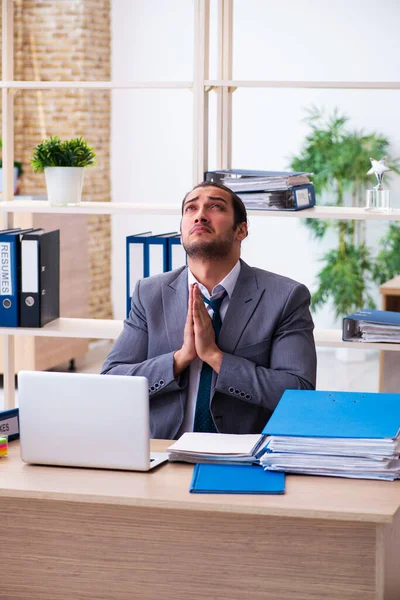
pixel 40 278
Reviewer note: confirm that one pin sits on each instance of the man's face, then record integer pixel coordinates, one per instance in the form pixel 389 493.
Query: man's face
pixel 207 224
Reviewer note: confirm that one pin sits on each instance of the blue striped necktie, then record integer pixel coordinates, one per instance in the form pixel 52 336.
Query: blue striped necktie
pixel 202 418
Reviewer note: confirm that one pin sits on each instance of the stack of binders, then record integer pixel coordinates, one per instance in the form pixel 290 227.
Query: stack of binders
pixel 29 277
pixel 340 434
pixel 267 190
pixel 150 254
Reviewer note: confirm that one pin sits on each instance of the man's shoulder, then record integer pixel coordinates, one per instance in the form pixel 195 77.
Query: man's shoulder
pixel 268 278
pixel 157 281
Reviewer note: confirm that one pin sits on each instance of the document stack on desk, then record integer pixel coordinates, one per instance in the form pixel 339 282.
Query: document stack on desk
pixel 216 448
pixel 369 325
pixel 235 479
pixel 268 190
pixel 341 434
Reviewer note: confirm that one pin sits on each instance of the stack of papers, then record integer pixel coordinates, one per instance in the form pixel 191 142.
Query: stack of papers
pixel 216 448
pixel 242 180
pixel 340 434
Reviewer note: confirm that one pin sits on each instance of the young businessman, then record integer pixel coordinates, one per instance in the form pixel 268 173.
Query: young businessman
pixel 219 341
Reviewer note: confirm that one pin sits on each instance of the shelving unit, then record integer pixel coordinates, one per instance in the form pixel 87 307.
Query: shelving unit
pixel 224 86
pixel 125 208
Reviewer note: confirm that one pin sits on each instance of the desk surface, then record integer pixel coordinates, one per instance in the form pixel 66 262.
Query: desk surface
pixel 167 487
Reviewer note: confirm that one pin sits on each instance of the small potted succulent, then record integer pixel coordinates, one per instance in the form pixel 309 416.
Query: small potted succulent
pixel 18 171
pixel 63 163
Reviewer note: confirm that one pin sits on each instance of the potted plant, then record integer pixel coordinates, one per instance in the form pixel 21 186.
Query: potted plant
pixel 340 159
pixel 63 163
pixel 18 171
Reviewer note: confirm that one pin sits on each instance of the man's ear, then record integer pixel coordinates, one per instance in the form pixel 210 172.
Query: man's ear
pixel 242 231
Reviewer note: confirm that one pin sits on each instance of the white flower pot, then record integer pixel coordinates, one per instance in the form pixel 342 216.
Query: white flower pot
pixel 64 185
pixel 15 179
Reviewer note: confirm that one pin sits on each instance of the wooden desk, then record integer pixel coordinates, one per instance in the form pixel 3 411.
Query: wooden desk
pixel 389 362
pixel 105 535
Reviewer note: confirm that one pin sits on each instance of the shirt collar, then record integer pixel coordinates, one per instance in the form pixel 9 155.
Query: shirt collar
pixel 228 283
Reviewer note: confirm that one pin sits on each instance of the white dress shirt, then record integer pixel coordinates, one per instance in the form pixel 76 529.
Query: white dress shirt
pixel 228 285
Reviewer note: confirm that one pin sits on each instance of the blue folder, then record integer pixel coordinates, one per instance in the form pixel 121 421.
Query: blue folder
pixel 335 415
pixel 235 479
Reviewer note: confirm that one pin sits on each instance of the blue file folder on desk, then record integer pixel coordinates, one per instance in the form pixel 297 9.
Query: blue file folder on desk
pixel 235 479
pixel 309 413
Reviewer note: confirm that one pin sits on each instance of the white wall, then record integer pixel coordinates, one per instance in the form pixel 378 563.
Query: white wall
pixel 152 130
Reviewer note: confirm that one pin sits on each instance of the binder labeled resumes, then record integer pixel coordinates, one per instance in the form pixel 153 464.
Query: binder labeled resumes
pixel 235 479
pixel 40 278
pixel 9 423
pixel 10 276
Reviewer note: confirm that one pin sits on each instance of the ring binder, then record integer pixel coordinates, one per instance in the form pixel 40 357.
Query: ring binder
pixel 149 254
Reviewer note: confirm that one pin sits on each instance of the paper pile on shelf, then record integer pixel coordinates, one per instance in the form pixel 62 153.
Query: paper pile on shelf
pixel 242 180
pixel 370 325
pixel 268 190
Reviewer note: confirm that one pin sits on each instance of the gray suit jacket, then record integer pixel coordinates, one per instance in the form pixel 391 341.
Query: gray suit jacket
pixel 266 338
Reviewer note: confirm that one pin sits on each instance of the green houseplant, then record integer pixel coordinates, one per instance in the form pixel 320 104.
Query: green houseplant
pixel 63 163
pixel 340 159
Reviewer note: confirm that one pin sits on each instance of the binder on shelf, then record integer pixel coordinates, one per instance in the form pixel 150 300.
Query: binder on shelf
pixel 293 198
pixel 40 278
pixel 9 423
pixel 176 253
pixel 370 325
pixel 149 254
pixel 10 280
pixel 158 254
pixel 235 479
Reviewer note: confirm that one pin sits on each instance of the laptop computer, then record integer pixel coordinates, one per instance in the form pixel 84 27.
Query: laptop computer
pixel 85 420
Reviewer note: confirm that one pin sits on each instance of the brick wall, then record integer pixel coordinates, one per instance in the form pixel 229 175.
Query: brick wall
pixel 68 40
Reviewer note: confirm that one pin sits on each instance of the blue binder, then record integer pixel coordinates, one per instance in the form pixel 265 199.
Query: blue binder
pixel 351 330
pixel 335 415
pixel 10 280
pixel 149 257
pixel 9 423
pixel 235 479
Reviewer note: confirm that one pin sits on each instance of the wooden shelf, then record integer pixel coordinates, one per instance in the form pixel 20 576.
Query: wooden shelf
pixel 128 208
pixel 330 85
pixel 111 328
pixel 96 85
pixel 332 338
pixel 71 328
pixel 208 84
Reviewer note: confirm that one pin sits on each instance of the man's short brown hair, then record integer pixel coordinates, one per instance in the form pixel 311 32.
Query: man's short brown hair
pixel 239 209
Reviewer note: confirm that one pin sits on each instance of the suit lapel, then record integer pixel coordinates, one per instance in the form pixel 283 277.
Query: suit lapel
pixel 175 304
pixel 245 298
